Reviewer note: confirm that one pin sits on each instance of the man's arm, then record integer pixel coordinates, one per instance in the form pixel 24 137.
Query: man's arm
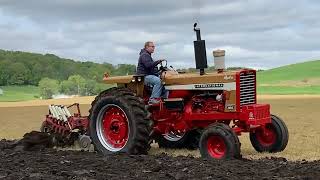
pixel 147 61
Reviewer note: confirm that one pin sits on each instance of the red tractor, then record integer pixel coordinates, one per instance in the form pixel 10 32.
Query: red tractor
pixel 206 110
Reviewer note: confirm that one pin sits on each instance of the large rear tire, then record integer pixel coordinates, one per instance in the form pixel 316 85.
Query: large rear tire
pixel 272 138
pixel 219 141
pixel 119 123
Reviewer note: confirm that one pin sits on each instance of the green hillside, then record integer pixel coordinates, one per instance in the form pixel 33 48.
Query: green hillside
pixel 296 72
pixel 300 78
pixel 21 72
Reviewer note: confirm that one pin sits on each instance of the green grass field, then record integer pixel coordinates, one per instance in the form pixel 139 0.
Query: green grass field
pixel 300 78
pixel 283 90
pixel 294 72
pixel 19 93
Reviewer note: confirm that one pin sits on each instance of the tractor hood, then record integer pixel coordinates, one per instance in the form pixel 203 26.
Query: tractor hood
pixel 118 79
pixel 192 78
pixel 187 78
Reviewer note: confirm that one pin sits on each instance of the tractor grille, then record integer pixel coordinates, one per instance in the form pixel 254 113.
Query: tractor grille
pixel 247 88
pixel 262 112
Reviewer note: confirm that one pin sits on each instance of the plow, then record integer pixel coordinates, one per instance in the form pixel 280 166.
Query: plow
pixel 66 128
pixel 205 111
pixel 60 128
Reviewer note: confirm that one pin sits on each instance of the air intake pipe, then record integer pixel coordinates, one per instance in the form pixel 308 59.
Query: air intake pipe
pixel 219 62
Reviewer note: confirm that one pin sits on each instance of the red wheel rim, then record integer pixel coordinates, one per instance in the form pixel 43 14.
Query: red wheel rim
pixel 216 147
pixel 115 128
pixel 266 136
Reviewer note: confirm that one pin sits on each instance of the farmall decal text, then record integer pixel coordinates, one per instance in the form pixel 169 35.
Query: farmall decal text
pixel 220 85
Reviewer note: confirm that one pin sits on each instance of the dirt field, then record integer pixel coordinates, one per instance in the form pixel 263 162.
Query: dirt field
pixel 301 114
pixel 50 164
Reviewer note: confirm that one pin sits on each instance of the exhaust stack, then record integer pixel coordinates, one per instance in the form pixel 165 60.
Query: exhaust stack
pixel 200 51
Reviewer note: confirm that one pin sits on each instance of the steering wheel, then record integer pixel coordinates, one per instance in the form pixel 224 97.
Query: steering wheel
pixel 163 66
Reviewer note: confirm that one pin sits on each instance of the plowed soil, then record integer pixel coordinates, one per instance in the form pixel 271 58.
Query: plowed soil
pixel 52 164
pixel 300 113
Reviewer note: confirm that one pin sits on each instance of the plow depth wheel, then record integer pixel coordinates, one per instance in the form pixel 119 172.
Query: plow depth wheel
pixel 219 141
pixel 44 127
pixel 271 138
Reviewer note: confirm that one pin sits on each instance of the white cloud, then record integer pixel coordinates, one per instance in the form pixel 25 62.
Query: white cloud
pixel 255 33
pixel 123 50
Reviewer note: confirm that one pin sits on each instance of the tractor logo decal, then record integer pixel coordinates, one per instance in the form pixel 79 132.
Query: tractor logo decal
pixel 208 85
pixel 211 86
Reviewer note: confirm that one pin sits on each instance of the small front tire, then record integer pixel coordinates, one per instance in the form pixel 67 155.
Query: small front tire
pixel 271 138
pixel 218 141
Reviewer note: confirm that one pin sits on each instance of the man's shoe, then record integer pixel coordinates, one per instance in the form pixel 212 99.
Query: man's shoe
pixel 153 102
pixel 147 107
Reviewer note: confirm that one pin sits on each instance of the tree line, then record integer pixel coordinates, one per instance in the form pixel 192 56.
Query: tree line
pixel 74 85
pixel 24 68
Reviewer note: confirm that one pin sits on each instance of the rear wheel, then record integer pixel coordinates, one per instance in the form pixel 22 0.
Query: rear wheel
pixel 119 123
pixel 219 141
pixel 271 138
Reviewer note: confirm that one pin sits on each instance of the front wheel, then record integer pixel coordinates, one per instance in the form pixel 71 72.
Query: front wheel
pixel 219 141
pixel 272 137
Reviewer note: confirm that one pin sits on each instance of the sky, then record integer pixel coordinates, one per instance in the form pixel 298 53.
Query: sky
pixel 260 34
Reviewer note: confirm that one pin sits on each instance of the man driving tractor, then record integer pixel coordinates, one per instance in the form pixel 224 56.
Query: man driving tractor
pixel 148 68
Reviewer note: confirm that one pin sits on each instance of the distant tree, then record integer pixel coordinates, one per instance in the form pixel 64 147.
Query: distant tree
pixel 48 87
pixel 19 74
pixel 101 87
pixel 4 73
pixel 124 69
pixel 75 85
pixel 66 87
pixel 236 68
pixel 90 86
